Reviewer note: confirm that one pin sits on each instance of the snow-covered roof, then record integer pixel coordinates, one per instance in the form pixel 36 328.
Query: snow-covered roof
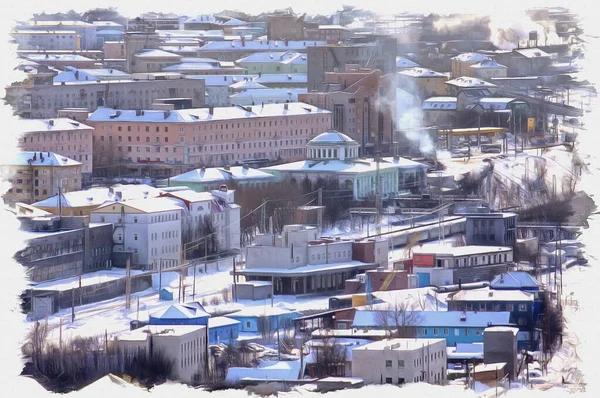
pixel 308 269
pixel 398 344
pixel 107 23
pixel 421 72
pixel 56 124
pixel 465 82
pixel 179 311
pixel 465 351
pixel 24 158
pixel 87 279
pixel 83 75
pixel 99 195
pixel 220 321
pixel 502 329
pixel 282 78
pixel 487 294
pixel 489 367
pixel 402 62
pixel 260 45
pixel 258 93
pixel 203 114
pixel 332 137
pixel 440 103
pixel 514 279
pixel 156 53
pixel 266 370
pixel 257 311
pixel 108 385
pixel 198 66
pixel 220 80
pixel 469 250
pixel 109 32
pixel 272 56
pixel 58 24
pixel 471 57
pixel 247 84
pixel 491 103
pixel 489 64
pixel 448 319
pixel 531 52
pixel 218 174
pixel 148 205
pixel 58 57
pixel 349 166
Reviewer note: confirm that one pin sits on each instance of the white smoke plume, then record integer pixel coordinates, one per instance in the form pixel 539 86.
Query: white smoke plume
pixel 509 28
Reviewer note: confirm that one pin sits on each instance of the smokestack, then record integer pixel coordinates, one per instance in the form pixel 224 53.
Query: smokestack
pixel 211 110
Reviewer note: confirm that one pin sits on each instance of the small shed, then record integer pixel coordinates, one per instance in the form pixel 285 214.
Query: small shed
pixel 166 294
pixel 180 314
pixel 489 372
pixel 254 290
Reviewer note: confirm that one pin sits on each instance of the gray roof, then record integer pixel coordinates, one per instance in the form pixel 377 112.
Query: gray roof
pixel 514 280
pixel 332 137
pixel 24 158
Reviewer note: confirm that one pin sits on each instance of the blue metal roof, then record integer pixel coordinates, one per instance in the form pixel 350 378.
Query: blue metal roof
pixel 515 280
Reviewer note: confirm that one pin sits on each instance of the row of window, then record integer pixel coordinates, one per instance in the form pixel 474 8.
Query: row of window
pixel 53 137
pixel 493 307
pixel 165 250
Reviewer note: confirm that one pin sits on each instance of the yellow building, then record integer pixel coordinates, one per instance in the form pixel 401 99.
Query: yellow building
pixel 422 82
pixel 37 175
pixel 461 64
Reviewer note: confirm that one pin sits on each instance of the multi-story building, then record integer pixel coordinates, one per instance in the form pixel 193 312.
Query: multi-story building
pixel 219 208
pixel 37 175
pixel 266 96
pixel 114 49
pixel 86 31
pixel 236 49
pixel 65 136
pixel 151 22
pixel 287 27
pixel 400 361
pixel 298 262
pixel 44 101
pixel 379 54
pixel 47 40
pixel 148 231
pixel 274 62
pixel 334 156
pixel 62 247
pixel 362 103
pixel 422 82
pixel 327 33
pixel 461 64
pixel 169 142
pixel 185 345
pixel 499 229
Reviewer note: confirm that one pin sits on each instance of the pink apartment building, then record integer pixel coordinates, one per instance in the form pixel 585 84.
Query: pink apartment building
pixel 158 143
pixel 63 136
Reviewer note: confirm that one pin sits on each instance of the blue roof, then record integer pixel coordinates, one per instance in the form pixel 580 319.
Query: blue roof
pixel 452 319
pixel 514 280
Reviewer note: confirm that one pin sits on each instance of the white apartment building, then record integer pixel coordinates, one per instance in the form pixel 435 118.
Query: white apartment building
pixel 219 207
pixel 149 228
pixel 185 345
pixel 86 31
pixel 400 361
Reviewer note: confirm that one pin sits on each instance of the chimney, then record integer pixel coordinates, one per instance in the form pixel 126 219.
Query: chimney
pixel 51 122
pixel 285 106
pixel 167 114
pixel 459 284
pixel 211 110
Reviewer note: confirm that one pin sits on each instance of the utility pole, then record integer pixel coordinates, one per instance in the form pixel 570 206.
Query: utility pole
pixel 234 293
pixel 159 275
pixel 194 287
pixel 138 309
pixel 263 215
pixel 279 342
pixel 320 210
pixel 128 285
pixel 378 183
pixel 80 295
pixel 72 305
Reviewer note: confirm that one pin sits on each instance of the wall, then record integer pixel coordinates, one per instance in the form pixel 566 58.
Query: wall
pixel 480 273
pixel 370 365
pixel 453 335
pixel 114 50
pixel 48 41
pixel 188 352
pixel 501 347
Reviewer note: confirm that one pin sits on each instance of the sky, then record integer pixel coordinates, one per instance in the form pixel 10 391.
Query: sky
pixel 13 279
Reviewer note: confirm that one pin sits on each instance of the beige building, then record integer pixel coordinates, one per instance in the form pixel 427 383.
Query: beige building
pixel 165 143
pixel 114 50
pixel 185 345
pixel 461 64
pixel 65 136
pixel 44 101
pixel 422 82
pixel 153 60
pixel 37 175
pixel 400 361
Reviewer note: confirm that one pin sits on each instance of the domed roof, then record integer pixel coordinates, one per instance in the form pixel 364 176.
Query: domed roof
pixel 332 137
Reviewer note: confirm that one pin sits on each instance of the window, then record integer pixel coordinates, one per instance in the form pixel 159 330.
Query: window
pixel 436 331
pixel 388 380
pixel 388 364
pixel 522 307
pixel 135 219
pixel 248 325
pixel 135 236
pixel 445 331
pixel 477 332
pixel 456 332
pixel 400 364
pixel 467 332
pixel 424 332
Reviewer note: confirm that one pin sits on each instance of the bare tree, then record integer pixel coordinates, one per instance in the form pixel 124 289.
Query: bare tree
pixel 330 358
pixel 264 327
pixel 399 318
